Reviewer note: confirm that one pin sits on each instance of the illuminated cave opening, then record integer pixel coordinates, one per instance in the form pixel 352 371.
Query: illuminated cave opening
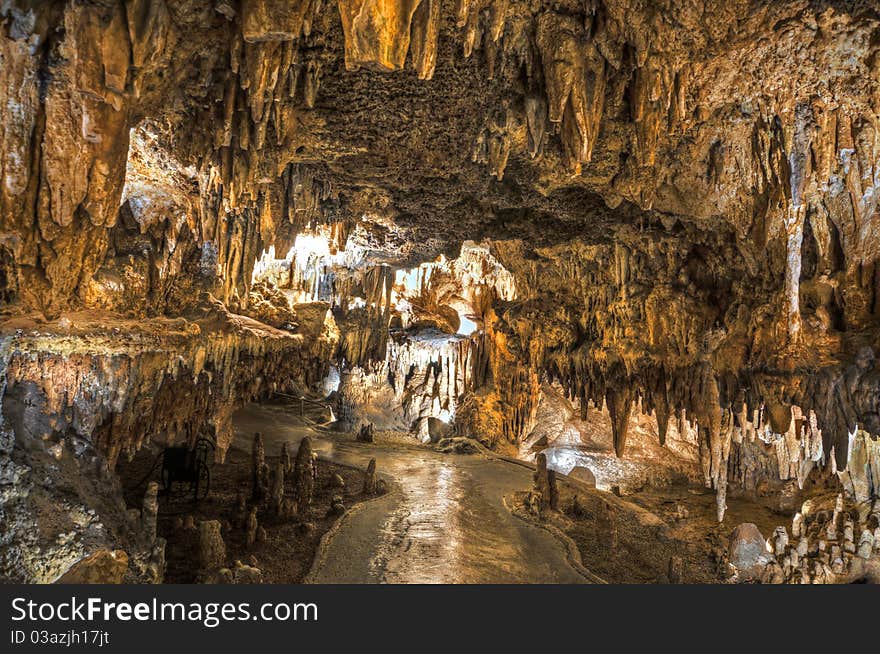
pixel 254 271
pixel 432 313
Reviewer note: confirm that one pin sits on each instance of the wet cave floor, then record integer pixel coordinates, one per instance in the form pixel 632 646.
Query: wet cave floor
pixel 446 518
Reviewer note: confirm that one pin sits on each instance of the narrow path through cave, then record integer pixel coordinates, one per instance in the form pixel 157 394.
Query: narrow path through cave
pixel 447 523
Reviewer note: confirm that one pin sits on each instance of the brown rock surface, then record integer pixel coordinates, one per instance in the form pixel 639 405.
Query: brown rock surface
pixel 665 211
pixel 747 551
pixel 102 567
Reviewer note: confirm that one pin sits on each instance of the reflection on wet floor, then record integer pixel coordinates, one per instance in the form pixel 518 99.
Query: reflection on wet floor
pixel 446 523
pixel 420 539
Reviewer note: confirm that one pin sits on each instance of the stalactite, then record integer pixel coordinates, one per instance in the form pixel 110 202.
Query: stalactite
pixel 575 82
pixel 619 403
pixel 796 214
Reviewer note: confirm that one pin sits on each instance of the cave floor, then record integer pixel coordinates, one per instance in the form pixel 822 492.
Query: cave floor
pixel 443 522
pixel 633 539
pixel 445 519
pixel 286 554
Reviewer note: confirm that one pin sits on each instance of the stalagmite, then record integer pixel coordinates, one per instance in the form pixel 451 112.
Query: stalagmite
pixel 276 492
pixel 258 465
pixel 241 509
pixel 797 525
pixel 246 574
pixel 285 457
pixel 545 485
pixel 212 549
pixel 303 477
pixel 150 511
pixel 365 433
pixel 370 478
pixel 780 541
pixel 251 527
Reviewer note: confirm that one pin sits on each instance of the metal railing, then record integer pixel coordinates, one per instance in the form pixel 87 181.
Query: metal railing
pixel 303 400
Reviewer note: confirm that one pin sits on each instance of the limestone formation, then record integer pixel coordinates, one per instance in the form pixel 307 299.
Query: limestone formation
pixel 545 485
pixel 251 526
pixel 222 576
pixel 102 567
pixel 240 515
pixel 150 511
pixel 365 433
pixel 303 474
pixel 834 557
pixel 259 480
pixel 641 232
pixel 285 458
pixel 337 507
pixel 246 574
pixel 212 549
pixel 797 525
pixel 747 552
pixel 584 475
pixel 780 541
pixel 276 492
pixel 676 570
pixel 370 478
pixel 866 544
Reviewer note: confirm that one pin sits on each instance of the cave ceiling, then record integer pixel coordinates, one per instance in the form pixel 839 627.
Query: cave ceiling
pixel 679 185
pixel 505 119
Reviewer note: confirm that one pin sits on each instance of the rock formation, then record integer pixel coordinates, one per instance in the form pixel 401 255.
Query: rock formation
pixel 545 485
pixel 824 550
pixel 276 492
pixel 212 549
pixel 661 215
pixel 285 457
pixel 259 483
pixel 251 526
pixel 304 473
pixel 370 478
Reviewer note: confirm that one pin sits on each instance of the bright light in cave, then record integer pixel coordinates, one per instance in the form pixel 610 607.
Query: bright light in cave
pixel 265 263
pixel 411 279
pixel 331 381
pixel 309 269
pixel 466 326
pixel 307 245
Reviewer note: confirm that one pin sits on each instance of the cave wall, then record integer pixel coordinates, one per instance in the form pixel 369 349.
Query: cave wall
pixel 676 324
pixel 79 395
pixel 684 194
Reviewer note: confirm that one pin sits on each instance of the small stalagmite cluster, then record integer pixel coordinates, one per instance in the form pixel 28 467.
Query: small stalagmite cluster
pixel 827 544
pixel 518 222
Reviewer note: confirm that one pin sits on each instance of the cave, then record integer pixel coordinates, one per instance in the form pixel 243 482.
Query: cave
pixel 411 291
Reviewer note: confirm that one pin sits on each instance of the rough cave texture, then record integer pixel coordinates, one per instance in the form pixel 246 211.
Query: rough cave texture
pixel 664 214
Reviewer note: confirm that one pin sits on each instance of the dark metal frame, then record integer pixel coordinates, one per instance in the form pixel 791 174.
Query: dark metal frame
pixel 188 465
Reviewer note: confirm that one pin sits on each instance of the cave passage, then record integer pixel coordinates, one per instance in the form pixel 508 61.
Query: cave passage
pixel 485 291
